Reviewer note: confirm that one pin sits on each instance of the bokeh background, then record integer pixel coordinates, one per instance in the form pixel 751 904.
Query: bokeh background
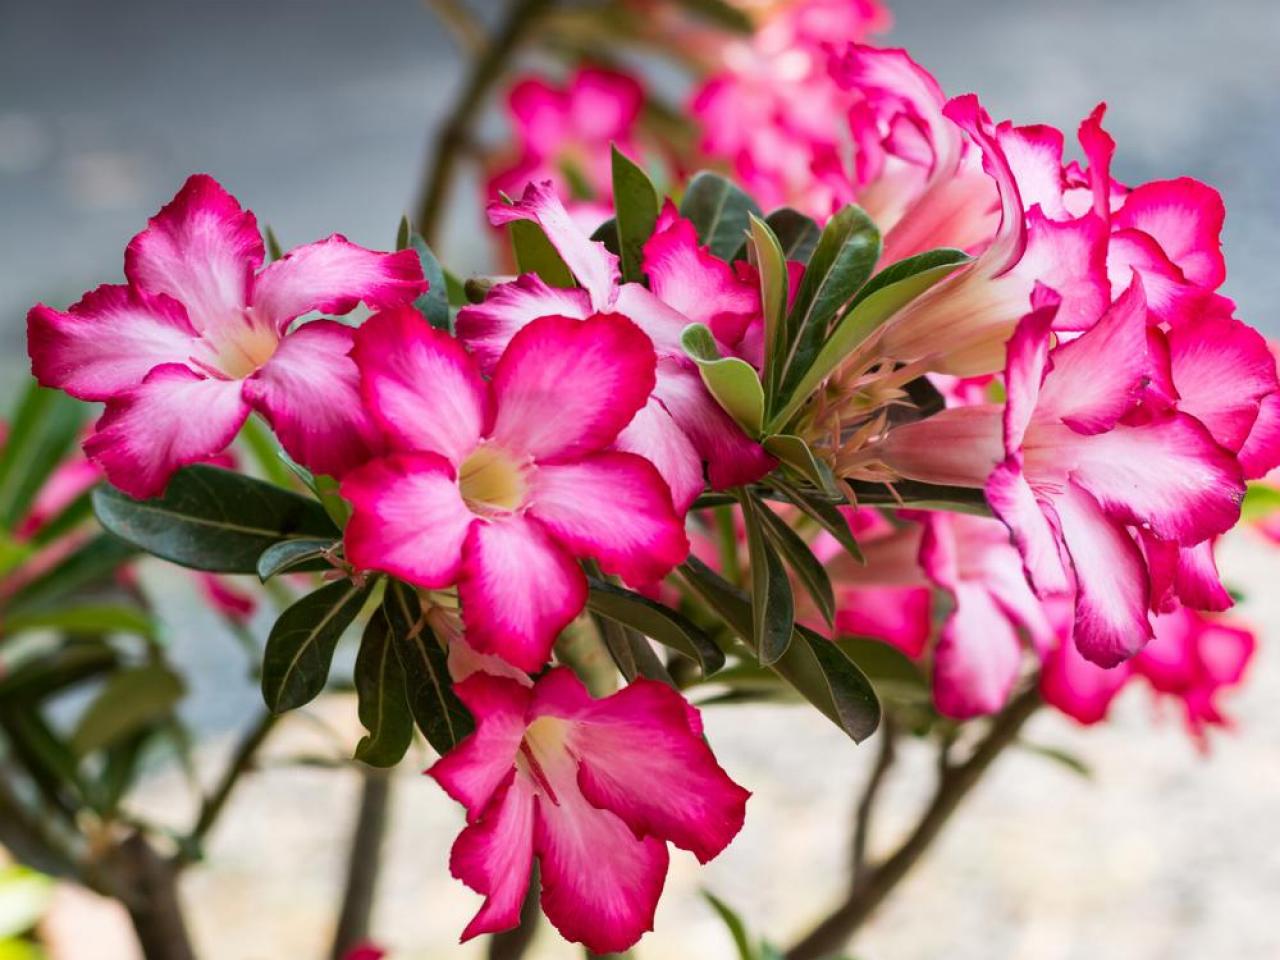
pixel 318 114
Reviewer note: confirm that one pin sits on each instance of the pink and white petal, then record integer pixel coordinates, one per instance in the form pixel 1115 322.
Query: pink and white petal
pixel 332 276
pixel 421 385
pixel 594 267
pixel 309 391
pixel 1196 579
pixel 408 518
pixel 1185 217
pixel 486 328
pixel 1071 258
pixel 1261 452
pixel 1099 147
pixel 173 418
pixel 494 857
pixel 662 323
pixel 671 788
pixel 1015 504
pixel 604 104
pixel 652 434
pixel 201 249
pixel 518 589
pixel 614 507
pixel 959 446
pixel 1034 154
pixel 1027 362
pixel 1171 298
pixel 976 661
pixel 566 387
pixel 107 342
pixel 732 457
pixel 1010 241
pixel 477 769
pixel 1112 587
pixel 1080 689
pixel 1166 475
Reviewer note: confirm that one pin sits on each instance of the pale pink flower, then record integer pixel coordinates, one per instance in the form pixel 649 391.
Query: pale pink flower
pixel 199 336
pixel 498 486
pixel 595 789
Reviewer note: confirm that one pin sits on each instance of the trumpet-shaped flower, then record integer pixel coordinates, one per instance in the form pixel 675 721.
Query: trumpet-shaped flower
pixel 199 336
pixel 497 486
pixel 681 427
pixel 595 789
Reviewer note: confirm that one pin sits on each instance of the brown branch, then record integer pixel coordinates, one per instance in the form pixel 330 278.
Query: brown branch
pixel 866 803
pixel 867 893
pixel 364 863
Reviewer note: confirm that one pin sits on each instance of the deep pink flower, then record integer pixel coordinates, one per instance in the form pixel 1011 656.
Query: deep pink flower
pixel 681 426
pixel 497 486
pixel 1072 464
pixel 199 336
pixel 595 789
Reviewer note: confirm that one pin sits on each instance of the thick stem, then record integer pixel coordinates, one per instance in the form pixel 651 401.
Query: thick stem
pixel 151 882
pixel 514 944
pixel 241 760
pixel 867 893
pixel 363 863
pixel 867 802
pixel 455 135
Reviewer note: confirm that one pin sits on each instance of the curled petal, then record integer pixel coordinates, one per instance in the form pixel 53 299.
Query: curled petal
pixel 976 661
pixel 475 772
pixel 1185 217
pixel 494 857
pixel 486 328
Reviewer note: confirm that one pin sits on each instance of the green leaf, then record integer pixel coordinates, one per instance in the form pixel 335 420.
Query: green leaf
pixel 890 671
pixel 131 700
pixel 305 554
pixel 795 453
pixel 772 603
pixel 1064 758
pixel 922 496
pixel 772 267
pixel 440 715
pixel 814 667
pixel 823 512
pixel 732 381
pixel 797 233
pixel 90 564
pixel 274 250
pixel 535 254
pixel 737 929
pixel 800 559
pixel 720 13
pixel 211 519
pixel 841 263
pixel 295 664
pixel 654 620
pixel 720 212
pixel 636 204
pixel 434 304
pixel 45 427
pixel 1260 501
pixel 383 702
pixel 455 290
pixel 88 618
pixel 404 229
pixel 882 296
pixel 51 672
pixel 24 897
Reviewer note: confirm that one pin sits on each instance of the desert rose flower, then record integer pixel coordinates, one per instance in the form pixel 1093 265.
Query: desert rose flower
pixel 681 427
pixel 499 486
pixel 595 789
pixel 199 336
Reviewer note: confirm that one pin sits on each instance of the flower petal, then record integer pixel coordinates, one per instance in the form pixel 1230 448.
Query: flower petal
pixel 309 391
pixel 1261 452
pixel 976 661
pixel 614 507
pixel 173 418
pixel 652 434
pixel 1196 579
pixel 494 857
pixel 959 446
pixel 1013 502
pixel 201 249
pixel 420 385
pixel 486 328
pixel 332 276
pixel 518 589
pixel 901 616
pixel 565 387
pixel 1185 217
pixel 1080 689
pixel 475 771
pixel 408 518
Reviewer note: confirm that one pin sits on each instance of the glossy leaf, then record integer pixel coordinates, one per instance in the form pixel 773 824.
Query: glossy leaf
pixel 295 664
pixel 535 254
pixel 607 233
pixel 307 554
pixel 635 202
pixel 732 381
pixel 771 264
pixel 922 496
pixel 440 715
pixel 795 453
pixel 656 620
pixel 823 512
pixel 892 673
pixel 772 603
pixel 719 211
pixel 130 700
pixel 797 233
pixel 807 568
pixel 434 303
pixel 211 519
pixel 382 701
pixel 43 430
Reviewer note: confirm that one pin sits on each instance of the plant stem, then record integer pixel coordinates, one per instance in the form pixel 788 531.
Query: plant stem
pixel 363 863
pixel 152 899
pixel 455 134
pixel 867 802
pixel 868 892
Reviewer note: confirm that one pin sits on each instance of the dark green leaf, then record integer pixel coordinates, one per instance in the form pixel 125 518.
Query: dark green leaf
pixel 655 620
pixel 304 554
pixel 772 267
pixel 132 699
pixel 822 511
pixel 795 453
pixel 800 558
pixel 85 618
pixel 211 519
pixel 44 429
pixel 719 211
pixel 535 254
pixel 434 304
pixel 797 233
pixel 440 715
pixel 51 672
pixel 607 233
pixel 383 702
pixel 890 671
pixel 455 290
pixel 731 380
pixel 94 562
pixel 737 929
pixel 295 664
pixel 636 204
pixel 772 604
pixel 44 756
pixel 403 231
pixel 274 250
pixel 922 496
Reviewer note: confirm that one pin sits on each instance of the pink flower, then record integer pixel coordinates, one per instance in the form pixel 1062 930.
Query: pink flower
pixel 1073 465
pixel 594 789
pixel 199 336
pixel 497 486
pixel 681 427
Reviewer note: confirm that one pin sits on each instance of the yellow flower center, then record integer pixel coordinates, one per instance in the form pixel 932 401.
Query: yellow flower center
pixel 492 482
